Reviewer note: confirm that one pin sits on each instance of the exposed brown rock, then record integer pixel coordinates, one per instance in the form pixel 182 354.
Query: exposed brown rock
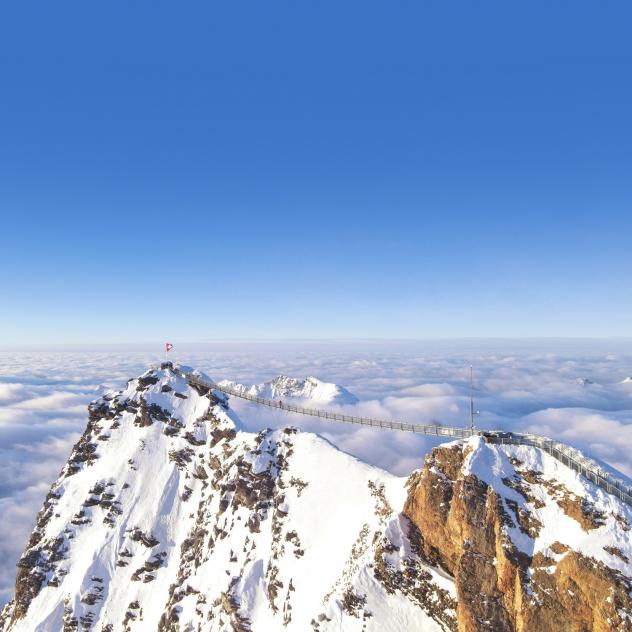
pixel 147 539
pixel 527 523
pixel 613 550
pixel 144 382
pixel 143 418
pixel 222 433
pixel 558 548
pixel 462 523
pixel 201 390
pixel 581 510
pixel 414 581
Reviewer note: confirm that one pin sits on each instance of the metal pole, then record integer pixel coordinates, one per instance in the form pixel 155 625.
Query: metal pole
pixel 471 398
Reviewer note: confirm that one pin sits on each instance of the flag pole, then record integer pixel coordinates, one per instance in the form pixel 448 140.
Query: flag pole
pixel 168 347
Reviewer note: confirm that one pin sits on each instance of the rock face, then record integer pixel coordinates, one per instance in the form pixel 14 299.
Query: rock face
pixel 531 546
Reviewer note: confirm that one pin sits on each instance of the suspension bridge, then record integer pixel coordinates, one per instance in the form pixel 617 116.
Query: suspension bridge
pixel 567 455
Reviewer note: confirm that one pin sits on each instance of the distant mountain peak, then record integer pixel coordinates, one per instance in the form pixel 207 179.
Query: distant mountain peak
pixel 309 390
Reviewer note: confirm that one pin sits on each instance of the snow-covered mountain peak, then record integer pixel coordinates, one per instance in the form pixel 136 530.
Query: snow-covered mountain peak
pixel 309 390
pixel 168 517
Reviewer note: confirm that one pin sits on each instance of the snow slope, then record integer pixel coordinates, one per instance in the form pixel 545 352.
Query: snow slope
pixel 553 482
pixel 310 390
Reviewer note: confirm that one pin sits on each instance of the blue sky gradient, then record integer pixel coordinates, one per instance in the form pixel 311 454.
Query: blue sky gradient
pixel 315 170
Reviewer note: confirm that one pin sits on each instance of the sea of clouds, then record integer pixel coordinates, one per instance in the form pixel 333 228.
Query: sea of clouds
pixel 573 391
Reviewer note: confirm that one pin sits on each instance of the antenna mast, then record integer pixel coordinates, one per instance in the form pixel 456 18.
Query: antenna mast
pixel 472 413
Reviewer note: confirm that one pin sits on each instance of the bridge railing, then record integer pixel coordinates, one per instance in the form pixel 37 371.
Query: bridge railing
pixel 560 451
pixel 428 429
pixel 570 457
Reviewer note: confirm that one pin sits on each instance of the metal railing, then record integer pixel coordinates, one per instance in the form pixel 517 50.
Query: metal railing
pixel 565 454
pixel 570 457
pixel 427 429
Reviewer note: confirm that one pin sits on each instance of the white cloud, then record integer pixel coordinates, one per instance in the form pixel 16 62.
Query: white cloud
pixel 606 436
pixel 11 392
pixel 55 401
pixel 429 390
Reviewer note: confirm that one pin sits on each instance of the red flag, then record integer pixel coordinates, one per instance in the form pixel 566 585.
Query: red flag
pixel 168 346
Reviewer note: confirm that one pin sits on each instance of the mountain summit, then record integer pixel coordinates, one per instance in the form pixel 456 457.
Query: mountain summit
pixel 310 390
pixel 169 517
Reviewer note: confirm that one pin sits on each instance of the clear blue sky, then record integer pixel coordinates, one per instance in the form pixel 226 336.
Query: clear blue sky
pixel 202 170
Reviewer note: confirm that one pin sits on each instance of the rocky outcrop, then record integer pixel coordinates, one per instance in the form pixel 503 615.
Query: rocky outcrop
pixel 466 526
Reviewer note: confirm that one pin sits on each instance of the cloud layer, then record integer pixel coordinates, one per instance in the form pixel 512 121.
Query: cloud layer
pixel 576 396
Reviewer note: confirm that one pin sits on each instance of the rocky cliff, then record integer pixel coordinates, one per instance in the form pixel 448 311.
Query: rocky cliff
pixel 532 546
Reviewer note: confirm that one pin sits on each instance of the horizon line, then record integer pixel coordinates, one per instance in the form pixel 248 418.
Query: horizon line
pixel 146 345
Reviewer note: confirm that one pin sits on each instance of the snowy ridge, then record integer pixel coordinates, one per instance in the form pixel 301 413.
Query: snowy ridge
pixel 309 390
pixel 604 476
